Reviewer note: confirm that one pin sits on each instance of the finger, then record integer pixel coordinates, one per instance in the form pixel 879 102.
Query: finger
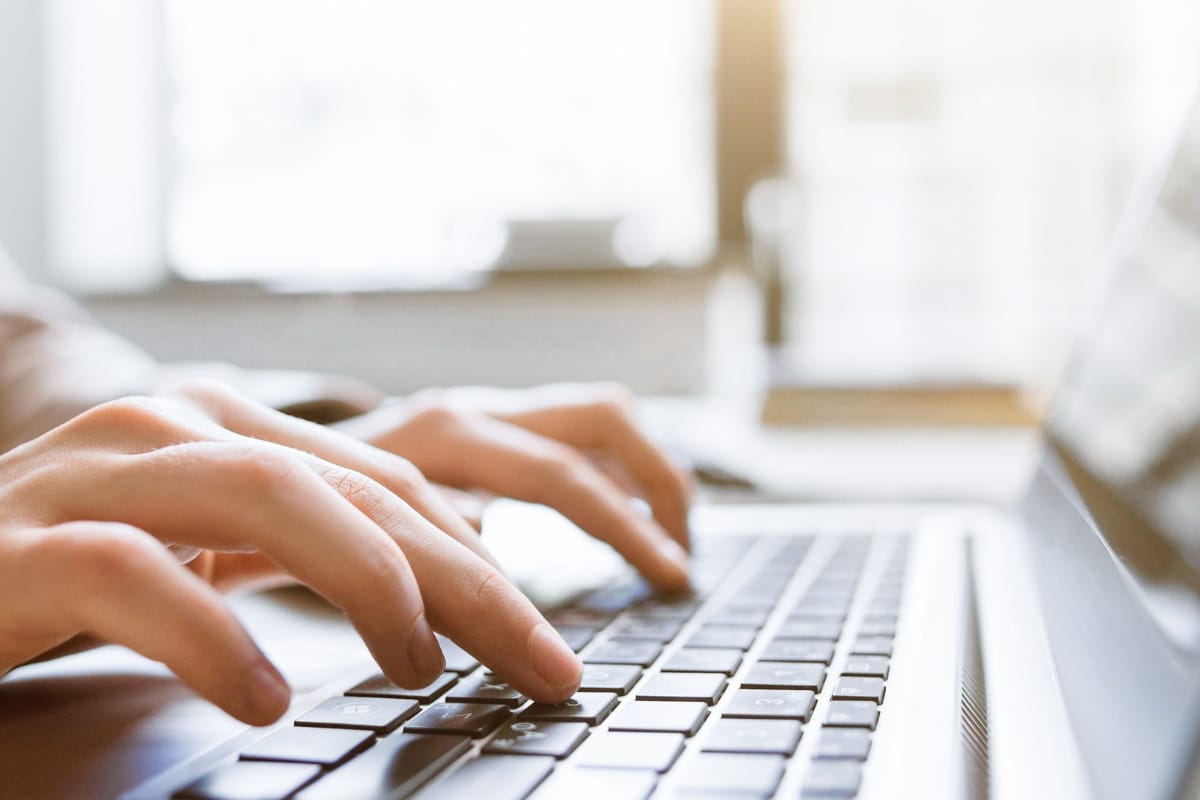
pixel 121 585
pixel 247 496
pixel 607 425
pixel 517 463
pixel 247 418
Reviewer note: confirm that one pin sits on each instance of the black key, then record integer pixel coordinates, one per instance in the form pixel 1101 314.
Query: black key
pixel 379 714
pixel 325 746
pixel 872 646
pixel 746 616
pixel 457 659
pixel 618 678
pixel 380 686
pixel 656 751
pixel 250 780
pixel 799 650
pixel 581 617
pixel 720 773
pixel 656 630
pixel 844 743
pixel 465 719
pixel 852 714
pixel 538 738
pixel 753 736
pixel 589 707
pixel 705 687
pixel 867 666
pixel 704 659
pixel 832 779
pixel 659 717
pixel 848 688
pixel 772 704
pixel 395 767
pixel 577 637
pixel 495 777
pixel 485 688
pixel 625 651
pixel 810 630
pixel 594 783
pixel 785 675
pixel 723 636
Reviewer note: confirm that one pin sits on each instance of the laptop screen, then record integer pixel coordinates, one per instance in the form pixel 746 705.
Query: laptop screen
pixel 1127 417
pixel 1126 428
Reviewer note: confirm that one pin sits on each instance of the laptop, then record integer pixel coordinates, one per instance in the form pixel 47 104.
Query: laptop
pixel 833 651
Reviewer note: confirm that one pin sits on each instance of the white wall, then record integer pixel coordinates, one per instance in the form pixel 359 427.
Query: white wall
pixel 22 133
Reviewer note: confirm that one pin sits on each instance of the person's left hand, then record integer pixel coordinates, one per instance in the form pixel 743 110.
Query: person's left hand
pixel 574 447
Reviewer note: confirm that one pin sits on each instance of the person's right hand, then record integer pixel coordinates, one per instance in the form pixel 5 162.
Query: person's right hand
pixel 86 508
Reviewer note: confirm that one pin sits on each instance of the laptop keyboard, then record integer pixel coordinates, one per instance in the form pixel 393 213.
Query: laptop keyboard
pixel 777 665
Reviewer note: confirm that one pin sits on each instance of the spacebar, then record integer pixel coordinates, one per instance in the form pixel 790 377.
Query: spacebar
pixel 395 767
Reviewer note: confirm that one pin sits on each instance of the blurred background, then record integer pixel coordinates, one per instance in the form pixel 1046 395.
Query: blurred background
pixel 642 190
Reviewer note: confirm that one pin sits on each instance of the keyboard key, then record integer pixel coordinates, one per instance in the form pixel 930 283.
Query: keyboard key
pixel 848 688
pixel 378 714
pixel 844 743
pixel 659 717
pixel 799 650
pixel 395 767
pixel 595 783
pixel 877 629
pixel 465 719
pixel 577 637
pixel 380 686
pixel 872 646
pixel 590 707
pixel 618 678
pixel 753 736
pixel 832 779
pixel 723 636
pixel 785 675
pixel 810 630
pixel 495 777
pixel 325 746
pixel 680 608
pixel 823 607
pixel 657 630
pixel 625 651
pixel 805 616
pixel 705 687
pixel 745 616
pixel 852 714
pixel 250 780
pixel 772 704
pixel 867 666
pixel 881 617
pixel 538 738
pixel 457 659
pixel 485 688
pixel 724 773
pixel 704 659
pixel 656 751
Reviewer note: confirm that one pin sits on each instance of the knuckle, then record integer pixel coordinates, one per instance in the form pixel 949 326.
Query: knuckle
pixel 559 467
pixel 98 553
pixel 207 393
pixel 404 476
pixel 431 411
pixel 487 587
pixel 264 470
pixel 125 414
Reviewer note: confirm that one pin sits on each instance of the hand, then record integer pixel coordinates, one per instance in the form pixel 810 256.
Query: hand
pixel 86 508
pixel 575 447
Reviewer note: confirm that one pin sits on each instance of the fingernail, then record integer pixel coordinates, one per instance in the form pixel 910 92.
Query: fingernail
pixel 554 661
pixel 424 652
pixel 267 693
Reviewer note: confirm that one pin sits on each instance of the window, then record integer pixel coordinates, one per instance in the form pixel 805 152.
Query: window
pixel 328 141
